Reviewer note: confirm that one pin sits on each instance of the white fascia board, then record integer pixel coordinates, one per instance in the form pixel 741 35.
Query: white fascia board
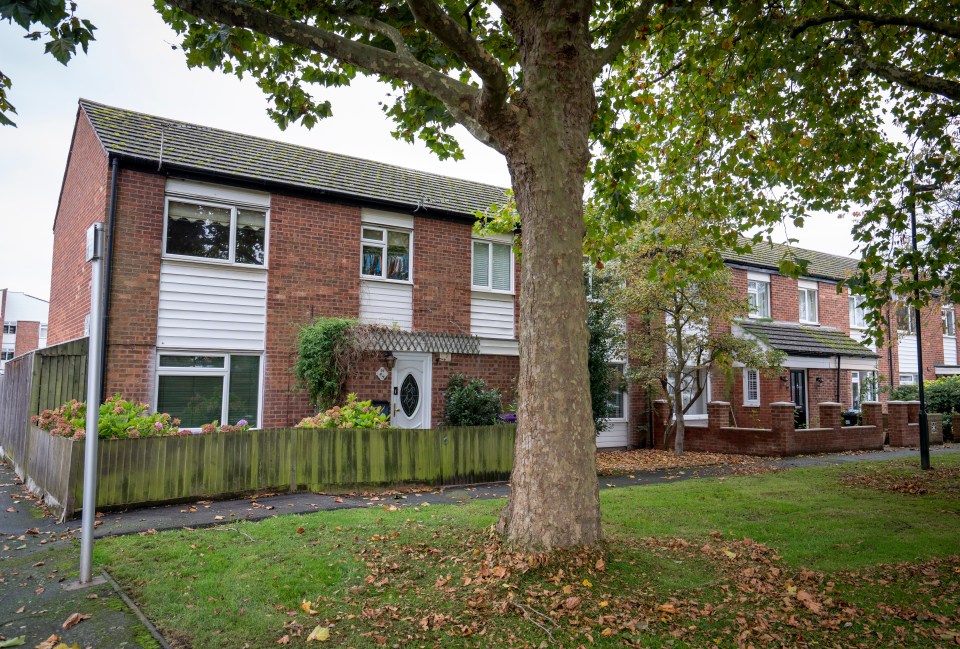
pixel 388 219
pixel 753 275
pixel 217 193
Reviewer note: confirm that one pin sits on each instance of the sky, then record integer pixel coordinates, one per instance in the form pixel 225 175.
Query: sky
pixel 132 65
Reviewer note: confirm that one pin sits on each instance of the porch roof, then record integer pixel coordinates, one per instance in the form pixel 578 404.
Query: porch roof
pixel 806 340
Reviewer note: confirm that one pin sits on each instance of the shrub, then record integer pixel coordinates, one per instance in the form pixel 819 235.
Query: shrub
pixel 324 351
pixel 942 396
pixel 353 414
pixel 118 419
pixel 470 403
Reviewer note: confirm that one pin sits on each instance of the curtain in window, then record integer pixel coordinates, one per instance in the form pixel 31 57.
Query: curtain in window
pixel 502 261
pixel 481 264
pixel 251 236
pixel 195 400
pixel 198 230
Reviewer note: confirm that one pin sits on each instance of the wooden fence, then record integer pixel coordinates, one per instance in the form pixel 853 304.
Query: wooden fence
pixel 153 470
pixel 42 379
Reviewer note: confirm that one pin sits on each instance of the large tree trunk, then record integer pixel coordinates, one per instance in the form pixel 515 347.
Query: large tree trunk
pixel 555 500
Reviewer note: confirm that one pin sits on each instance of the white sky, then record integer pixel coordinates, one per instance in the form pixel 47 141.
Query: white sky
pixel 132 65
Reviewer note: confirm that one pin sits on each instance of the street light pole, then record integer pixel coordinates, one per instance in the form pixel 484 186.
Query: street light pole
pixel 924 426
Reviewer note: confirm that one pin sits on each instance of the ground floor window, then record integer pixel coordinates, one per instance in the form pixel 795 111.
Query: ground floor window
pixel 616 403
pixel 863 387
pixel 908 379
pixel 200 389
pixel 691 384
pixel 6 354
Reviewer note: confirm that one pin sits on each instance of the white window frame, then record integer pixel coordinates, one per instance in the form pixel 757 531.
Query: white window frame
pixel 10 328
pixel 908 379
pixel 911 320
pixel 747 401
pixel 233 207
pixel 211 371
pixel 809 296
pixel 705 395
pixel 43 330
pixel 624 394
pixel 860 378
pixel 489 286
pixel 856 307
pixel 7 350
pixel 754 281
pixel 949 318
pixel 382 244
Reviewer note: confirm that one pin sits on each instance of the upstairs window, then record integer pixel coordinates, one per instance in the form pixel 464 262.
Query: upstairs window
pixel 216 232
pixel 808 302
pixel 43 331
pixel 758 297
pixel 385 253
pixel 10 329
pixel 858 316
pixel 492 266
pixel 949 318
pixel 906 319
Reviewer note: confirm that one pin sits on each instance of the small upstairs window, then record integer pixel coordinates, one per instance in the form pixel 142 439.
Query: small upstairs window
pixel 758 297
pixel 808 302
pixel 385 253
pixel 949 318
pixel 10 329
pixel 858 316
pixel 492 266
pixel 906 319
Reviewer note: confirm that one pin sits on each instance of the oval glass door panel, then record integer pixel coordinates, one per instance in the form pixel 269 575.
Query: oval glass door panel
pixel 409 395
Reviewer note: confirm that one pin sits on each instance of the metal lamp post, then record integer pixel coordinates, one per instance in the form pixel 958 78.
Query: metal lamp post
pixel 924 426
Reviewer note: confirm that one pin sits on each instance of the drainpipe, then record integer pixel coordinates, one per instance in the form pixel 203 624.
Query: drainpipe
pixel 108 274
pixel 838 378
pixel 890 340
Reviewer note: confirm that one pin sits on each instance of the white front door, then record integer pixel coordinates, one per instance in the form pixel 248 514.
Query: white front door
pixel 412 382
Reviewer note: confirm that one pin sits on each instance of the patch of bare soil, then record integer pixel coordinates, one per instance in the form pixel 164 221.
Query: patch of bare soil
pixel 646 459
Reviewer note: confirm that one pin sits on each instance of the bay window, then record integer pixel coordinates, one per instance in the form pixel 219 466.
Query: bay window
pixel 385 253
pixel 492 266
pixel 199 389
pixel 218 232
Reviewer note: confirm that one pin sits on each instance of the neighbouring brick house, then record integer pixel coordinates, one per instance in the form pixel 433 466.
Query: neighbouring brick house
pixel 224 245
pixel 23 321
pixel 821 332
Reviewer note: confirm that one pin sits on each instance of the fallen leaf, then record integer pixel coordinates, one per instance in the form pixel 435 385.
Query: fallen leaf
pixel 571 603
pixel 218 518
pixel 21 610
pixel 667 608
pixel 729 553
pixel 307 607
pixel 320 634
pixel 75 619
pixel 586 582
pixel 284 640
pixel 49 643
pixel 19 641
pixel 601 566
pixel 300 530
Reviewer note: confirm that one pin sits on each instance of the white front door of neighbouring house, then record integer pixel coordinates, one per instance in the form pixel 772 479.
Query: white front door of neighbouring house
pixel 412 381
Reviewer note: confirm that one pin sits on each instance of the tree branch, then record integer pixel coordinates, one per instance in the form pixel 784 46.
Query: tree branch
pixel 936 27
pixel 626 31
pixel 493 97
pixel 382 28
pixel 895 74
pixel 457 96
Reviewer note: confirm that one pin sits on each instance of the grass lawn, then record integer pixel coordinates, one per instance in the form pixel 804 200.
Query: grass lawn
pixel 854 556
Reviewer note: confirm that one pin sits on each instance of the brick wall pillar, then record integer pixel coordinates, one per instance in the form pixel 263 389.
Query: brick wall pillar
pixel 897 423
pixel 28 337
pixel 718 415
pixel 830 414
pixel 661 412
pixel 782 422
pixel 913 412
pixel 872 413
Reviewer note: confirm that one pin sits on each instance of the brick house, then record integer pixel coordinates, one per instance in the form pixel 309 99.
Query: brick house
pixel 23 321
pixel 221 246
pixel 821 331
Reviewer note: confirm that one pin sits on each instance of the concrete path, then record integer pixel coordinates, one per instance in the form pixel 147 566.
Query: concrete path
pixel 39 556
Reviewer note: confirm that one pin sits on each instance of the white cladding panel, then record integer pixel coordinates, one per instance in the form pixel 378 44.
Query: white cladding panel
pixel 491 316
pixel 616 435
pixel 949 351
pixel 907 353
pixel 213 307
pixel 386 303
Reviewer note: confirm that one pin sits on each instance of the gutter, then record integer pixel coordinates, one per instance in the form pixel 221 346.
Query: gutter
pixel 108 274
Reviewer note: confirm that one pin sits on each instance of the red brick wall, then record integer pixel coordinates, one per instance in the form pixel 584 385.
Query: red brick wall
pixel 135 285
pixel 442 276
pixel 314 271
pixel 28 337
pixel 83 202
